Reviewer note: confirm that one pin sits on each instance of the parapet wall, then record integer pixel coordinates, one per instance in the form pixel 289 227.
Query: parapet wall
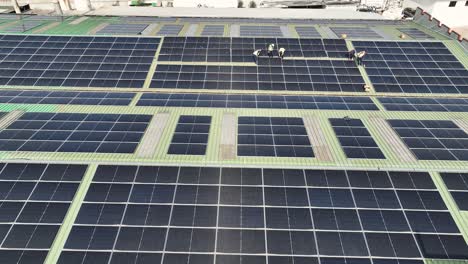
pixel 426 20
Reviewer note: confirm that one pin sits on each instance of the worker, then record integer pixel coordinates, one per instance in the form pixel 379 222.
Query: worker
pixel 352 54
pixel 281 52
pixel 360 56
pixel 255 54
pixel 270 50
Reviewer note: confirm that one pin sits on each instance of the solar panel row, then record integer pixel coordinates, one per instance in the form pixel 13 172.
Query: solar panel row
pixel 34 199
pixel 457 184
pixel 122 29
pixel 292 75
pixel 191 135
pixel 424 104
pixel 256 101
pixel 260 31
pixel 307 32
pixel 75 61
pixel 217 49
pixel 415 33
pixel 73 132
pixel 64 97
pixel 356 32
pixel 222 215
pixel 413 67
pixel 213 30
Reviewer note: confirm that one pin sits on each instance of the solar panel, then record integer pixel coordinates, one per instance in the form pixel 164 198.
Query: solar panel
pixel 273 136
pixel 34 199
pixel 191 135
pixel 218 49
pixel 413 67
pixel 355 139
pixel 292 75
pixel 122 29
pixel 64 97
pixel 287 21
pixel 424 104
pixel 75 61
pixel 356 32
pixel 457 184
pixel 260 31
pixel 307 32
pixel 251 215
pixel 415 33
pixel 23 26
pixel 213 30
pixel 73 132
pixel 257 101
pixel 433 139
pixel 170 30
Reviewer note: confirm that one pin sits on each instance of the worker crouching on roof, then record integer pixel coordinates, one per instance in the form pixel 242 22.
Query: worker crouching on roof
pixel 255 55
pixel 360 56
pixel 352 54
pixel 281 52
pixel 271 47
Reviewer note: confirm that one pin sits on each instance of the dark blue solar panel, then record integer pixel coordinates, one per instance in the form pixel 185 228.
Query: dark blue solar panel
pixel 424 104
pixel 273 136
pixel 34 199
pixel 413 67
pixel 257 101
pixel 72 132
pixel 191 135
pixel 233 215
pixel 457 184
pixel 355 139
pixel 75 61
pixel 64 97
pixel 433 139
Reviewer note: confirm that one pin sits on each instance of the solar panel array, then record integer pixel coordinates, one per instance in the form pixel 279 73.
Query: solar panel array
pixel 64 97
pixel 433 139
pixel 424 104
pixel 213 30
pixel 22 26
pixel 191 135
pixel 286 21
pixel 74 132
pixel 34 199
pixel 170 30
pixel 256 101
pixel 307 32
pixel 122 29
pixel 457 184
pixel 260 31
pixel 148 20
pixel 415 33
pixel 356 32
pixel 217 49
pixel 75 61
pixel 233 215
pixel 355 139
pixel 413 67
pixel 273 137
pixel 292 75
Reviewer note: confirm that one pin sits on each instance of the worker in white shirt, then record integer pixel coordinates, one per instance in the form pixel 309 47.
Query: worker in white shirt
pixel 255 54
pixel 271 47
pixel 360 56
pixel 281 52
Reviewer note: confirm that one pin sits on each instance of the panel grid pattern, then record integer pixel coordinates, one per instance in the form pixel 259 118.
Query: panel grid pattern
pixel 64 97
pixel 213 30
pixel 257 101
pixel 218 49
pixel 191 135
pixel 433 139
pixel 260 31
pixel 233 215
pixel 122 29
pixel 75 61
pixel 273 136
pixel 415 33
pixel 413 67
pixel 292 75
pixel 34 199
pixel 307 32
pixel 424 104
pixel 70 132
pixel 457 184
pixel 356 32
pixel 355 139
pixel 170 30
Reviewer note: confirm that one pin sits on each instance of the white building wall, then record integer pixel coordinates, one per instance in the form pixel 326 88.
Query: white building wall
pixel 451 16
